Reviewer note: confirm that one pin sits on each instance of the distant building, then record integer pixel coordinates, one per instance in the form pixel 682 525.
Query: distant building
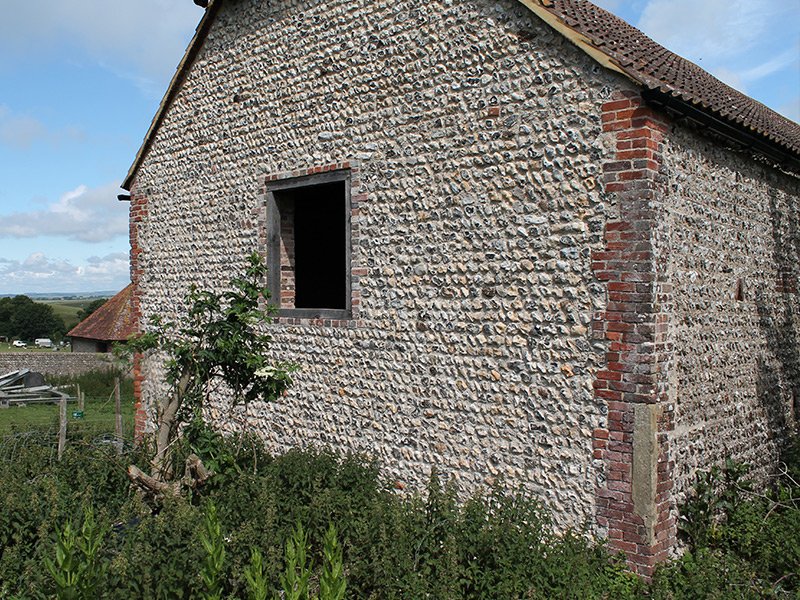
pixel 110 323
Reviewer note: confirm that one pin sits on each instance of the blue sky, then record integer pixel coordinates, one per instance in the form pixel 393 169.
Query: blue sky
pixel 81 80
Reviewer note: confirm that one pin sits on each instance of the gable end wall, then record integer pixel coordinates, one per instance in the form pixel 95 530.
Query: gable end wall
pixel 523 305
pixel 477 132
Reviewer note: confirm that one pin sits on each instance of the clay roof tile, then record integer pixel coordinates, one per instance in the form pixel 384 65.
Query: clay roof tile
pixel 649 63
pixel 111 322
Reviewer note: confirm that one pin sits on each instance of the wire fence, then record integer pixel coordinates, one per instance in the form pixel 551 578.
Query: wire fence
pixel 40 425
pixel 13 446
pixel 97 411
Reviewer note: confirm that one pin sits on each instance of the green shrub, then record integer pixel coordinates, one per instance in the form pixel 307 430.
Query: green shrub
pixel 742 543
pixel 97 383
pixel 707 573
pixel 156 555
pixel 499 544
pixel 38 494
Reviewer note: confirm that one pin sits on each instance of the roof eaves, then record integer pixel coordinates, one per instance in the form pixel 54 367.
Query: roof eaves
pixel 177 80
pixel 689 84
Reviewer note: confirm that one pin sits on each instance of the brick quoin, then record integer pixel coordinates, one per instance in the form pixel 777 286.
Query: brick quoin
pixel 138 212
pixel 634 500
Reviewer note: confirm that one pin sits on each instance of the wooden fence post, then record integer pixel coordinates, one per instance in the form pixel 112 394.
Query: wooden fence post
pixel 62 425
pixel 117 409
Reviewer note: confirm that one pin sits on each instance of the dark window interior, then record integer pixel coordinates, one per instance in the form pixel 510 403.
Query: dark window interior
pixel 320 244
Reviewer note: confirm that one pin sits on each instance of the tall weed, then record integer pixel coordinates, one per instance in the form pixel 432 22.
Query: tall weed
pixel 213 567
pixel 332 582
pixel 78 570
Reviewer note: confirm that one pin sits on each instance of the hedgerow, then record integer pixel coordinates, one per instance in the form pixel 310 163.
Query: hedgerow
pixel 498 544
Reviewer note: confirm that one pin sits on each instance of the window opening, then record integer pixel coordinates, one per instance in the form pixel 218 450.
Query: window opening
pixel 309 245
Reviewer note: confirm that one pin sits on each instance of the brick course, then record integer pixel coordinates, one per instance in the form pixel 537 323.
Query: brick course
pixel 138 216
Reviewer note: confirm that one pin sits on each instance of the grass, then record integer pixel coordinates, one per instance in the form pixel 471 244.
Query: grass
pixel 6 347
pixel 68 309
pixel 97 411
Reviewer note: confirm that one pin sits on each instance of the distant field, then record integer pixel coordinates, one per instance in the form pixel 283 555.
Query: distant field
pixel 68 309
pixel 5 347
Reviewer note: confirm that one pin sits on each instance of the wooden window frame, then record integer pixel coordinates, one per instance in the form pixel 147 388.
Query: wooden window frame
pixel 273 241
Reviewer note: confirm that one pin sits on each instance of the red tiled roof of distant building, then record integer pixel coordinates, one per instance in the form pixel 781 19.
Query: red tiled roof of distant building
pixel 111 322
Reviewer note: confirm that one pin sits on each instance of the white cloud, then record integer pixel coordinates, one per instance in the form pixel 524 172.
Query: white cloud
pixel 83 214
pixel 772 65
pixel 139 33
pixel 711 30
pixel 22 131
pixel 743 79
pixel 41 273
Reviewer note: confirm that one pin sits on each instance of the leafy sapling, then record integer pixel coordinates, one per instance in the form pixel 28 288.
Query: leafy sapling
pixel 222 341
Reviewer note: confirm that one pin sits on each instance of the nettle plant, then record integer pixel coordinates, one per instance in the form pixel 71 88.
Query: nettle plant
pixel 221 341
